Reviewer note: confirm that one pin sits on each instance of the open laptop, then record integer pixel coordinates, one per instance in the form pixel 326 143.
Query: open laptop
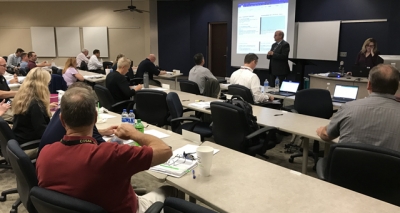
pixel 345 94
pixel 358 71
pixel 288 88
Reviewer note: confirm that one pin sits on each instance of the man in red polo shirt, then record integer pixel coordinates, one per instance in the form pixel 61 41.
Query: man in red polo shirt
pixel 32 61
pixel 100 174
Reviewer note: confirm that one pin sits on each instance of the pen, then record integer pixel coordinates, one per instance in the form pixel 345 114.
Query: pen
pixel 185 100
pixel 278 114
pixel 194 175
pixel 199 100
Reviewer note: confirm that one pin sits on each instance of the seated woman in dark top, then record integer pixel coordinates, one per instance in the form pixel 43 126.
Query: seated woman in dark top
pixel 31 106
pixel 130 73
pixel 369 54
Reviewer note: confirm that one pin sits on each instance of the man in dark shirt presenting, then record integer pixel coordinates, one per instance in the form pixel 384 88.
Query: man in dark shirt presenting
pixel 278 56
pixel 147 65
pixel 117 83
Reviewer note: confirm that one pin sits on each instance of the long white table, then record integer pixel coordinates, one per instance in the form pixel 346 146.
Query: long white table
pixel 170 75
pixel 241 183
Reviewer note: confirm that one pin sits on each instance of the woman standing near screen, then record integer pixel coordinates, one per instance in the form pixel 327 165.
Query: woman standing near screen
pixel 369 54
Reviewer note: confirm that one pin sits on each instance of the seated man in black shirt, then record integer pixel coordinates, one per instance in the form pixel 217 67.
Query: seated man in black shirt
pixel 147 65
pixel 5 92
pixel 118 85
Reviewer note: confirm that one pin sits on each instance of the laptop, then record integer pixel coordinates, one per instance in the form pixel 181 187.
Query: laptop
pixel 345 94
pixel 358 71
pixel 288 88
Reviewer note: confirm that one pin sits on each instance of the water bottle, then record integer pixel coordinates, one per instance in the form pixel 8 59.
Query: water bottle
pixel 306 83
pixel 277 84
pixel 139 126
pixel 124 116
pixel 146 80
pixel 131 117
pixel 266 85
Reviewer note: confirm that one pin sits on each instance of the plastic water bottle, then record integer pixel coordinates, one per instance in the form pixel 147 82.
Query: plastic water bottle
pixel 139 126
pixel 146 80
pixel 131 117
pixel 277 84
pixel 124 116
pixel 266 85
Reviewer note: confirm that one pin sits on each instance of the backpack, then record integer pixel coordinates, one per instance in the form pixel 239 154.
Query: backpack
pixel 238 101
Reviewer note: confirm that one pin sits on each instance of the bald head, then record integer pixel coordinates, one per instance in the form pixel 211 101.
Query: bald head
pixel 2 60
pixel 152 58
pixel 384 79
pixel 3 66
pixel 279 35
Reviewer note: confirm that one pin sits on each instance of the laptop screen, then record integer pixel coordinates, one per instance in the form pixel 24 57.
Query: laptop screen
pixel 288 86
pixel 348 92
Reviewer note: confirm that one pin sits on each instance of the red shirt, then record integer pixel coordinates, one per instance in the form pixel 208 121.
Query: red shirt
pixel 31 64
pixel 100 174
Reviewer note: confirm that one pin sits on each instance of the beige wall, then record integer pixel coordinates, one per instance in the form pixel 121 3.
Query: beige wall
pixel 128 32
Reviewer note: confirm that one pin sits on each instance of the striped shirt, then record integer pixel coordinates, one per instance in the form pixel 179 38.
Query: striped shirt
pixel 373 120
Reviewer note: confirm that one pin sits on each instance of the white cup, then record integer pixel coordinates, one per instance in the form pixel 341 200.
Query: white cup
pixel 108 71
pixel 204 159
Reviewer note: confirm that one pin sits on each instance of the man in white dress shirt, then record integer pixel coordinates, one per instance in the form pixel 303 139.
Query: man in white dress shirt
pixel 95 64
pixel 245 77
pixel 83 56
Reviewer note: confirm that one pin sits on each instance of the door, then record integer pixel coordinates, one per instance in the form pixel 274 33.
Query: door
pixel 217 48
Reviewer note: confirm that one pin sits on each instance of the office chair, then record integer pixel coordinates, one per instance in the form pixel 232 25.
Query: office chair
pixel 25 175
pixel 107 65
pixel 189 87
pixel 231 129
pixel 83 66
pixel 23 71
pixel 57 83
pixel 107 101
pixel 151 107
pixel 50 201
pixel 245 93
pixel 136 81
pixel 176 205
pixel 176 109
pixel 364 168
pixel 305 103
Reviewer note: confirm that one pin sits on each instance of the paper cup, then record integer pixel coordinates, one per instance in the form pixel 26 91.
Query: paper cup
pixel 204 159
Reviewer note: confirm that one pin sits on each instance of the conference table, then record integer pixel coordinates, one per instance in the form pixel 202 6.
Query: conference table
pixel 241 183
pixel 171 75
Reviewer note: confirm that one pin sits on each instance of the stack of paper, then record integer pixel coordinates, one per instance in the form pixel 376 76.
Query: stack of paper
pixel 202 105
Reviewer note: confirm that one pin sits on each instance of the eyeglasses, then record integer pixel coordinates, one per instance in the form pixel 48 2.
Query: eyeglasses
pixel 180 159
pixel 370 45
pixel 3 65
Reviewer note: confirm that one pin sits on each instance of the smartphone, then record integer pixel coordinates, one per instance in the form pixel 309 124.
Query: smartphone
pixel 9 102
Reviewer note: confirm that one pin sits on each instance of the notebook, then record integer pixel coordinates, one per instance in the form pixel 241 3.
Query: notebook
pixel 345 94
pixel 288 88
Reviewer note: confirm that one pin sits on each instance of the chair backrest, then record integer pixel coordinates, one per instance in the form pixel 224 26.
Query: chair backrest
pixel 24 172
pixel 211 88
pixel 6 134
pixel 136 81
pixel 189 86
pixel 151 106
pixel 105 98
pixel 57 83
pixel 367 169
pixel 176 205
pixel 229 125
pixel 23 71
pixel 242 91
pixel 50 201
pixel 107 65
pixel 175 108
pixel 314 102
pixel 83 66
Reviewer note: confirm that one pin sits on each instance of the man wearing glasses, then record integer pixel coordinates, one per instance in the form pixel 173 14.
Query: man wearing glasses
pixel 5 92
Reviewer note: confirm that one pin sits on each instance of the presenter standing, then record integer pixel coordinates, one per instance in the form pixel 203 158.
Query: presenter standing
pixel 278 56
pixel 369 54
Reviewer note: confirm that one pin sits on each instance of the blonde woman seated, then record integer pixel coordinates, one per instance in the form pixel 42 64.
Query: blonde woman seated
pixel 70 73
pixel 31 106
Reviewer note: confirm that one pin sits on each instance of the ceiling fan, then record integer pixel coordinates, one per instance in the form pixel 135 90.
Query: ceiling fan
pixel 132 9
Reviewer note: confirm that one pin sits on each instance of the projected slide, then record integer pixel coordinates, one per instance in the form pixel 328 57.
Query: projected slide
pixel 257 23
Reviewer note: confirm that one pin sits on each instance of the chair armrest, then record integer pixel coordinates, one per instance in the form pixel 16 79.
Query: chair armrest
pixel 30 144
pixel 260 131
pixel 186 119
pixel 188 110
pixel 321 167
pixel 117 107
pixel 155 208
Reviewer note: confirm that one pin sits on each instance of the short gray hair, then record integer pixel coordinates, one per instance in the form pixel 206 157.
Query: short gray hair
pixel 384 78
pixel 122 62
pixel 85 50
pixel 78 107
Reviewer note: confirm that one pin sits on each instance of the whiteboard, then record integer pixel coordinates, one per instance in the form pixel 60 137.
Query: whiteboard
pixel 68 41
pixel 96 38
pixel 43 41
pixel 318 40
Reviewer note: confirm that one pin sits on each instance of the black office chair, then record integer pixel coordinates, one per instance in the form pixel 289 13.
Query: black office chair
pixel 364 168
pixel 176 109
pixel 107 65
pixel 136 81
pixel 245 93
pixel 107 101
pixel 151 107
pixel 231 129
pixel 57 83
pixel 305 104
pixel 23 71
pixel 189 87
pixel 176 205
pixel 83 66
pixel 50 201
pixel 25 175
